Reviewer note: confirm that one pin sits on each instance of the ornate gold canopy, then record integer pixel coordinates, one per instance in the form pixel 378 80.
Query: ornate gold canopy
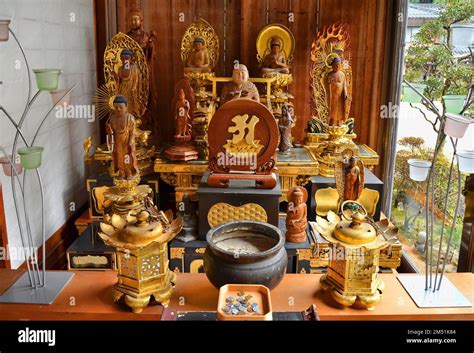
pixel 264 39
pixel 201 28
pixel 112 64
pixel 330 42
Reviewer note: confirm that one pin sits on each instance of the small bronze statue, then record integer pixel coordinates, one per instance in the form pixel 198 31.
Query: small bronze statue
pixel 285 123
pixel 120 136
pixel 144 39
pixel 353 180
pixel 127 78
pixel 296 220
pixel 240 87
pixel 275 61
pixel 198 60
pixel 187 210
pixel 338 113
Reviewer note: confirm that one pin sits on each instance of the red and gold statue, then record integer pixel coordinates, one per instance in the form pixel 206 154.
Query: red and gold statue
pixel 182 150
pixel 338 113
pixel 183 120
pixel 353 180
pixel 198 60
pixel 144 39
pixel 120 135
pixel 127 77
pixel 275 61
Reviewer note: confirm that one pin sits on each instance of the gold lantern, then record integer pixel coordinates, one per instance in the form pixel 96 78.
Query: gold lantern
pixel 141 244
pixel 352 272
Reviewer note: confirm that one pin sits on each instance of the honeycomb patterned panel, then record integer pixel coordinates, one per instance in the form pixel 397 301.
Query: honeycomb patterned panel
pixel 223 212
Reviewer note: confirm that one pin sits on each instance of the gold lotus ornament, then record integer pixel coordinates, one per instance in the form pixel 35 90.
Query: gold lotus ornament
pixel 352 273
pixel 141 243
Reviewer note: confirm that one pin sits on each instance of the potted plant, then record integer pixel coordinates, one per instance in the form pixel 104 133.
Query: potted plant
pixel 4 30
pixel 47 79
pixel 31 156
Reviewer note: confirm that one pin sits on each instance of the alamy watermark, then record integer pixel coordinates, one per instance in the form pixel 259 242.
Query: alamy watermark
pixel 389 111
pixel 237 159
pixel 75 111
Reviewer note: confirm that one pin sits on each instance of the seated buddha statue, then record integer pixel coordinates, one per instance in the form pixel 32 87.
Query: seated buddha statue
pixel 275 61
pixel 198 60
pixel 296 217
pixel 240 86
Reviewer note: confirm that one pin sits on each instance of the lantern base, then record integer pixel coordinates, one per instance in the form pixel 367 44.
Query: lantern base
pixel 346 299
pixel 448 296
pixel 138 301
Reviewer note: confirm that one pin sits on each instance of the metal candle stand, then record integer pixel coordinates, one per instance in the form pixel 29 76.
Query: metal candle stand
pixel 35 286
pixel 436 293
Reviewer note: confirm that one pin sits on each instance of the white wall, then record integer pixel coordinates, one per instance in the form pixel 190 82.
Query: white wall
pixel 54 34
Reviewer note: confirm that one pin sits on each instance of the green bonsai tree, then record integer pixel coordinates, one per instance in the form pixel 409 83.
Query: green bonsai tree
pixel 430 56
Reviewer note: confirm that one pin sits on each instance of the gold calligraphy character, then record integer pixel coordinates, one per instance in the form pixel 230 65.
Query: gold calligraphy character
pixel 244 129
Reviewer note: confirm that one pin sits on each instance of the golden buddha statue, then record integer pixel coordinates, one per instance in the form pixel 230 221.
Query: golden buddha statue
pixel 198 60
pixel 144 39
pixel 120 135
pixel 336 80
pixel 127 77
pixel 240 87
pixel 275 61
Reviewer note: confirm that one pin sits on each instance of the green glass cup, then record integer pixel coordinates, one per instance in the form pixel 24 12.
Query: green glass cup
pixel 30 157
pixel 47 79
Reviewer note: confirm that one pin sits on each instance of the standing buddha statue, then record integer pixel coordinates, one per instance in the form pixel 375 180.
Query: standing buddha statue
pixel 353 185
pixel 144 39
pixel 127 77
pixel 120 129
pixel 336 79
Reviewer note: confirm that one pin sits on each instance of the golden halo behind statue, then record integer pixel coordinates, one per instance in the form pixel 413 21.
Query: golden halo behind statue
pixel 103 100
pixel 202 29
pixel 264 39
pixel 329 59
pixel 112 64
pixel 331 41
